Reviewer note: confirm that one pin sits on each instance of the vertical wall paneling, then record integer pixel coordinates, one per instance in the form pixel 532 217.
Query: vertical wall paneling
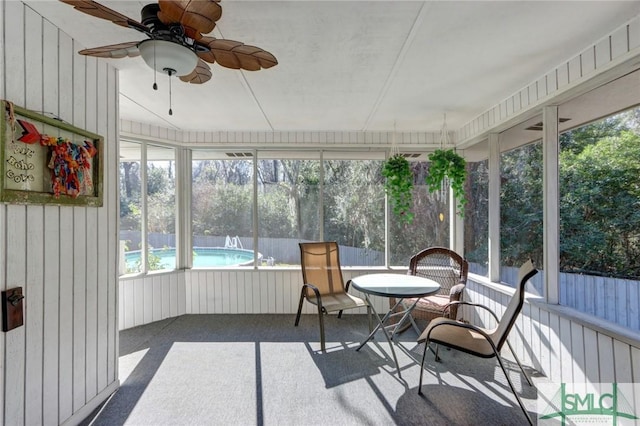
pixel 107 231
pixel 50 366
pixel 3 211
pixel 634 34
pixel 145 307
pixel 248 292
pixel 34 312
pixel 96 106
pixel 227 281
pixel 165 300
pixel 634 304
pixel 15 224
pixel 279 300
pixel 577 353
pixel 173 296
pixel 83 72
pixel 182 296
pixel 635 377
pixel 536 339
pixel 560 348
pixel 591 358
pixel 142 293
pixel 79 306
pixel 621 362
pixel 240 294
pixel 605 352
pixel 588 61
pixel 65 84
pixel 565 350
pixel 34 303
pixel 527 339
pixel 51 286
pixel 65 318
pixel 620 42
pixel 15 339
pixel 617 46
pixel 157 298
pixel 215 292
pixel 187 288
pixel 195 294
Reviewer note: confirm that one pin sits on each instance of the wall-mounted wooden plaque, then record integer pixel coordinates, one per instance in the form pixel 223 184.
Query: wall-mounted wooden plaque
pixel 46 161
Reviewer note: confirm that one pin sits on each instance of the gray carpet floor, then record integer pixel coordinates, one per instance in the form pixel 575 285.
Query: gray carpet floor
pixel 261 370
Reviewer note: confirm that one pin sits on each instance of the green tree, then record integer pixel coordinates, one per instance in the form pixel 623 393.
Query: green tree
pixel 521 205
pixel 353 202
pixel 600 207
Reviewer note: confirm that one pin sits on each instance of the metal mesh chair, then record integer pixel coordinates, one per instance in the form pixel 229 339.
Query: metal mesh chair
pixel 323 284
pixel 478 341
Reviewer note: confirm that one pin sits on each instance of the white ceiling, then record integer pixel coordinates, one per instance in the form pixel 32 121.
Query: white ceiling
pixel 356 65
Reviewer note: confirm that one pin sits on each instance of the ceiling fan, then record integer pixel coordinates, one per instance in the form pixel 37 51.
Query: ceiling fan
pixel 176 43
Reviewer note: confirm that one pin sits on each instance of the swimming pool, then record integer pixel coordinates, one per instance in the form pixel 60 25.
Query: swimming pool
pixel 203 257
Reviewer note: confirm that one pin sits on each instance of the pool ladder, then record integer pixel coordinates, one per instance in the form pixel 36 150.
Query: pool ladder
pixel 233 242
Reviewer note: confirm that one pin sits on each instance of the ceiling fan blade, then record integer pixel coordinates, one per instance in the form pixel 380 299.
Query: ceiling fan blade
pixel 201 74
pixel 92 8
pixel 116 51
pixel 197 17
pixel 236 55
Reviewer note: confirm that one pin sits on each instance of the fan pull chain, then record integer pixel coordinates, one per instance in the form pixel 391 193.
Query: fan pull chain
pixel 155 85
pixel 170 110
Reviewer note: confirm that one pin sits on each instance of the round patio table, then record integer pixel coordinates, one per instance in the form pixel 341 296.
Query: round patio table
pixel 399 286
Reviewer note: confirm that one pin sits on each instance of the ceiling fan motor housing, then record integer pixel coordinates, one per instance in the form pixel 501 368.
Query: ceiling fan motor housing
pixel 150 18
pixel 167 51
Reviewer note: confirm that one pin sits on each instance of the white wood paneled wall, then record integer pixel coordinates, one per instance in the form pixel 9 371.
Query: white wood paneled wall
pixel 158 296
pixel 621 44
pixel 151 298
pixel 63 362
pixel 563 347
pixel 265 140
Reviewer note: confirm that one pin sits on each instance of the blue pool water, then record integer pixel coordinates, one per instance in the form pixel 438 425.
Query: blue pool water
pixel 203 257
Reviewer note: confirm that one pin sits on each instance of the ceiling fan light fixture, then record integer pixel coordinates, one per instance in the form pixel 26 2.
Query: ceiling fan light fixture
pixel 166 55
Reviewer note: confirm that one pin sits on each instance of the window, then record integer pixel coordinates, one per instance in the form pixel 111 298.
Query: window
pixel 309 196
pixel 221 210
pixel 154 249
pixel 476 217
pixel 288 208
pixel 161 208
pixel 600 218
pixel 430 226
pixel 521 197
pixel 131 260
pixel 353 201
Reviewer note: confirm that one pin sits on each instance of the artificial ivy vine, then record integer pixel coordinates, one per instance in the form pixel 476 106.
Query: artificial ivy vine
pixel 447 163
pixel 399 186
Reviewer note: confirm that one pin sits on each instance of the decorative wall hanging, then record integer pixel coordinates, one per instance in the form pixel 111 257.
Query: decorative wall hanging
pixel 47 161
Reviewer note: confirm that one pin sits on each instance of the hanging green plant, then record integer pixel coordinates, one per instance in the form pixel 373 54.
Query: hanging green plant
pixel 399 186
pixel 448 164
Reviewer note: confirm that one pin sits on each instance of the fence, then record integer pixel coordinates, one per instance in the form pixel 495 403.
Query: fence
pixel 613 299
pixel 283 251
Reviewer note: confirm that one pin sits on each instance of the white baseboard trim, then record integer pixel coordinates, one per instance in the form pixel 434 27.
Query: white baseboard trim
pixel 90 406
